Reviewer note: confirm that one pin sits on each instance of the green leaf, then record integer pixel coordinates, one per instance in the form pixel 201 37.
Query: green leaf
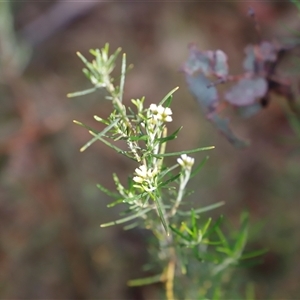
pixel 199 167
pixel 131 226
pixel 99 119
pixel 215 226
pixel 223 265
pixel 187 229
pixel 88 74
pixel 95 134
pixel 206 226
pixel 145 281
pixel 119 150
pixel 169 101
pixel 184 152
pixel 170 137
pixel 224 250
pixel 104 52
pixel 194 223
pixel 206 256
pixel 99 134
pixel 88 65
pixel 107 192
pixel 130 183
pixel 202 210
pixel 243 234
pixel 138 138
pixel 112 59
pixel 166 98
pixel 129 218
pixel 211 243
pixel 173 178
pixel 81 93
pixel 112 204
pixel 166 171
pixel 253 254
pixel 223 239
pixel 179 233
pixel 84 60
pixel 122 79
pixel 131 199
pixel 160 210
pixel 250 263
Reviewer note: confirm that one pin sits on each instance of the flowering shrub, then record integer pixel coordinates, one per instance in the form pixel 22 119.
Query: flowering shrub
pixel 155 192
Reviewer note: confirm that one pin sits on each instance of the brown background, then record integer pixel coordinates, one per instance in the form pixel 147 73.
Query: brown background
pixel 51 245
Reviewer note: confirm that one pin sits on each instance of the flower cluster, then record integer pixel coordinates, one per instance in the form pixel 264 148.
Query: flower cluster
pixel 186 162
pixel 145 177
pixel 161 113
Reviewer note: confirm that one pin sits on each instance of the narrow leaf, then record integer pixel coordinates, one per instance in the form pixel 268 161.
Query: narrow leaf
pixel 242 238
pixel 160 210
pixel 107 192
pixel 223 240
pixel 168 95
pixel 98 135
pixel 179 233
pixel 81 93
pixel 175 177
pixel 170 137
pixel 122 79
pixel 206 226
pixel 215 226
pixel 119 150
pixel 129 218
pixel 99 119
pixel 138 138
pixel 199 167
pixel 184 152
pixel 253 254
pixel 131 226
pixel 145 281
pixel 203 209
pixel 113 58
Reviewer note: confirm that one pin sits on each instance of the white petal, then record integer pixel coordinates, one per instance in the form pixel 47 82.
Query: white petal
pixel 141 171
pixel 160 109
pixel 153 107
pixel 168 111
pixel 138 179
pixel 180 161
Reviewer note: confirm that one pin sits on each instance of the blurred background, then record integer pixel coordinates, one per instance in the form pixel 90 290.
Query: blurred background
pixel 51 245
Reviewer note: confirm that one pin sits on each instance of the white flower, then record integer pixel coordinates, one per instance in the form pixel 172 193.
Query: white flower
pixel 153 108
pixel 161 113
pixel 186 161
pixel 144 174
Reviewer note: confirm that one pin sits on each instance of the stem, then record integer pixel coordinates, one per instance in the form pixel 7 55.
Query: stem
pixel 167 251
pixel 183 182
pixel 170 273
pixel 116 101
pixel 162 147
